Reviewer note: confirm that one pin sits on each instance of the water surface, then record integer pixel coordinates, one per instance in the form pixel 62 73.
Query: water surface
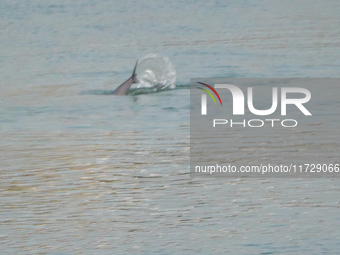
pixel 85 173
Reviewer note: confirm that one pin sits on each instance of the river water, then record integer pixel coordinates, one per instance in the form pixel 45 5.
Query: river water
pixel 91 173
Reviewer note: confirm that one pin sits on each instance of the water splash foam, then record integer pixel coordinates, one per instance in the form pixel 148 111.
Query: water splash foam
pixel 156 72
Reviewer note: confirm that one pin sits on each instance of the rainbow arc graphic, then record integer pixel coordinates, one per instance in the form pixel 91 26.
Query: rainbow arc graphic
pixel 209 93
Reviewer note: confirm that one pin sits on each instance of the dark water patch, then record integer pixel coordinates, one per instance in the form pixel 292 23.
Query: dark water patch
pixel 133 91
pixel 97 92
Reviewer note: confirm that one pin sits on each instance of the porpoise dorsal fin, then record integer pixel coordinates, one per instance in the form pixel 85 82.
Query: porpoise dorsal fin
pixel 124 88
pixel 134 70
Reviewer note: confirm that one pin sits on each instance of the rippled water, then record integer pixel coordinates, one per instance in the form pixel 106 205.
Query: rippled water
pixel 91 173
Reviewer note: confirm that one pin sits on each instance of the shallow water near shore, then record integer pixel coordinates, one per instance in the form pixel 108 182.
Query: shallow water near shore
pixel 86 172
